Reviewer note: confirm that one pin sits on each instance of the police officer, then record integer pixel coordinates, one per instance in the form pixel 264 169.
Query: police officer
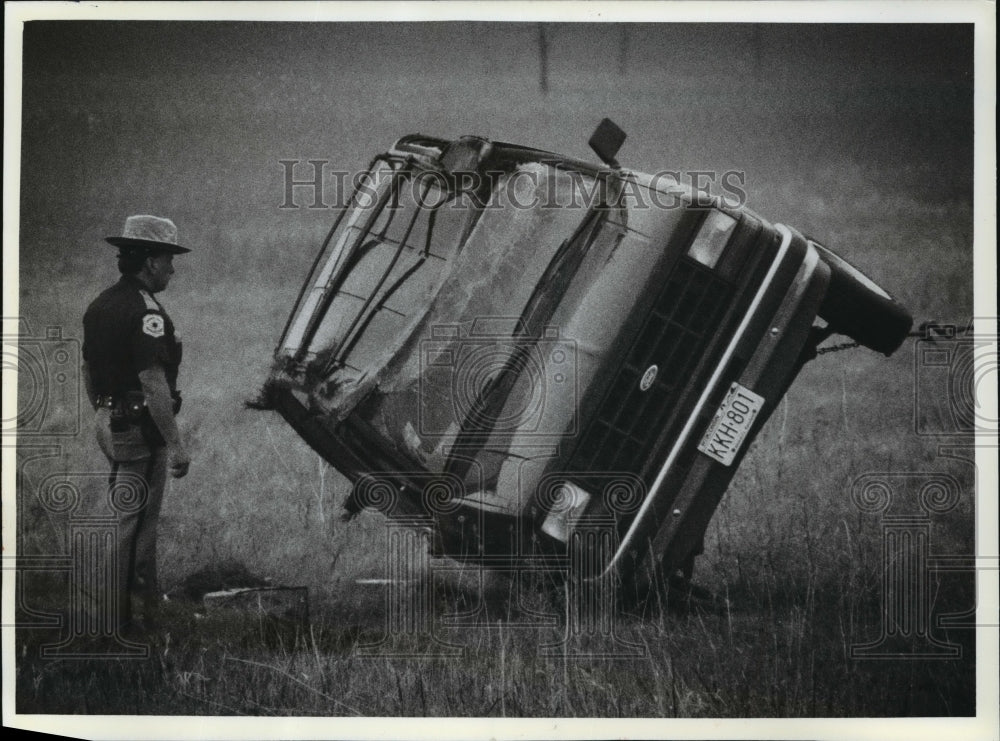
pixel 131 358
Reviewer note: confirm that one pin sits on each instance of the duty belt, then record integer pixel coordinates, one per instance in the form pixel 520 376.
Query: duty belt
pixel 132 404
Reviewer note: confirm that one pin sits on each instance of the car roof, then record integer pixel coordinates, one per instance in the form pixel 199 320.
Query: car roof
pixel 428 150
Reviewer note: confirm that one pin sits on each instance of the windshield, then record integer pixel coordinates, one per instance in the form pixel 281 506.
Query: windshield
pixel 380 263
pixel 429 390
pixel 420 288
pixel 348 228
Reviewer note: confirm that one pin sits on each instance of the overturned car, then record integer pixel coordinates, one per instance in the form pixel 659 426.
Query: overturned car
pixel 507 346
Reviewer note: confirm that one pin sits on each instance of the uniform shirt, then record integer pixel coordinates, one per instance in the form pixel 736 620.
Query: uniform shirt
pixel 126 330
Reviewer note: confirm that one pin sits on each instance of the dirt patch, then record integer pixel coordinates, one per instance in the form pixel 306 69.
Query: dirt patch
pixel 229 574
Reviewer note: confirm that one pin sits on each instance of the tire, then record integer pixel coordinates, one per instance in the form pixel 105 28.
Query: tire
pixel 856 306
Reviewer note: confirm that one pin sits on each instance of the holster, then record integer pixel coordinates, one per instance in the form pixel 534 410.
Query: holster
pixel 130 409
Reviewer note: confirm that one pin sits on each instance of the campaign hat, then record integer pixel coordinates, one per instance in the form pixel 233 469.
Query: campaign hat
pixel 150 234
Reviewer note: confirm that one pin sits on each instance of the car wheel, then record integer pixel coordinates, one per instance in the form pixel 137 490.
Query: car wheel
pixel 856 306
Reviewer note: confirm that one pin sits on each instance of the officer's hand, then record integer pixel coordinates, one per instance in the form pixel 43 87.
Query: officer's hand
pixel 178 461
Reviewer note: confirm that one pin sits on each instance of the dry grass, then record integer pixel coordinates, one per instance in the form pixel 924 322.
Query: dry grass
pixel 766 649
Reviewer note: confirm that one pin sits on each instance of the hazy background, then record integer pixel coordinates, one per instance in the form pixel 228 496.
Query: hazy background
pixel 858 135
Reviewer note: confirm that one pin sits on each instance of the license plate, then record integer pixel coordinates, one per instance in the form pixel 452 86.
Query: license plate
pixel 729 427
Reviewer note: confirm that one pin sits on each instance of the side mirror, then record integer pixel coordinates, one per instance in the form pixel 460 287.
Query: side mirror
pixel 606 140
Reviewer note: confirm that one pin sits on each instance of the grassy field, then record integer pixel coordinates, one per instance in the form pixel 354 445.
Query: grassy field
pixel 865 144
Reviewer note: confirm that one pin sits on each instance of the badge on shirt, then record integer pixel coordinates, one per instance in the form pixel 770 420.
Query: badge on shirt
pixel 152 324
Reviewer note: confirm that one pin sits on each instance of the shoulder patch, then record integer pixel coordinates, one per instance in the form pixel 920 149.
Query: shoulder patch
pixel 150 301
pixel 152 324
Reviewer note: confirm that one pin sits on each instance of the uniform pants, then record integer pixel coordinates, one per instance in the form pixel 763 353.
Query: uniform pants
pixel 135 493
